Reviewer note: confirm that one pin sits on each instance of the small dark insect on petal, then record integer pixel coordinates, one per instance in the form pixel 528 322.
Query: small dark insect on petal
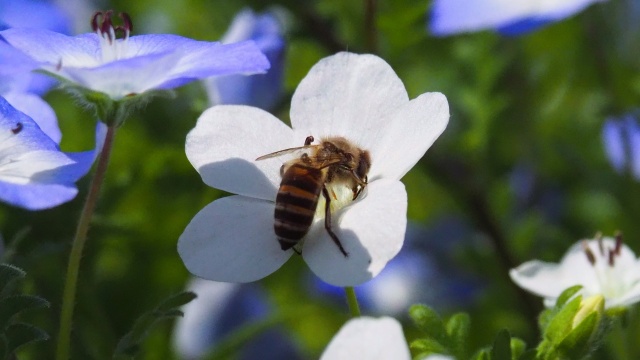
pixel 15 130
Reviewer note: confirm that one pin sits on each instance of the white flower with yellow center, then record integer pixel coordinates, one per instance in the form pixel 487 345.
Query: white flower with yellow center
pixel 603 266
pixel 357 97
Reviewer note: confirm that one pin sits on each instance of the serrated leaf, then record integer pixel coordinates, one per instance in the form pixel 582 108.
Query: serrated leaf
pixel 9 273
pixel 20 334
pixel 129 344
pixel 429 322
pixel 501 346
pixel 428 345
pixel 458 329
pixel 177 300
pixel 13 305
pixel 567 294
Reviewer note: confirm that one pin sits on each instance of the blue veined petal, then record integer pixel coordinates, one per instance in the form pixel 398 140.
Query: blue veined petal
pixel 135 65
pixel 262 90
pixel 515 17
pixel 34 173
pixel 34 14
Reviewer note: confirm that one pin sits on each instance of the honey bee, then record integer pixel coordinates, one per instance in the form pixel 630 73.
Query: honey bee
pixel 333 162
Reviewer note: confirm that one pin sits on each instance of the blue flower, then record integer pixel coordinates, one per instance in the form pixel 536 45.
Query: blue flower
pixel 218 311
pixel 34 14
pixel 34 173
pixel 124 67
pixel 262 90
pixel 510 17
pixel 621 138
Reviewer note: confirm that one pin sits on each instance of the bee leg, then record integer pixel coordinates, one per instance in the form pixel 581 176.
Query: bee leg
pixel 308 140
pixel 327 221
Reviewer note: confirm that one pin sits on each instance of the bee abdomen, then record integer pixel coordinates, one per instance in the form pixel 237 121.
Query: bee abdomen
pixel 296 204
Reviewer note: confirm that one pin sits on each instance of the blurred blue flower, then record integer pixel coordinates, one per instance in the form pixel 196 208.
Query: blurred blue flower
pixel 120 68
pixel 621 138
pixel 421 273
pixel 34 173
pixel 509 17
pixel 40 14
pixel 218 311
pixel 261 90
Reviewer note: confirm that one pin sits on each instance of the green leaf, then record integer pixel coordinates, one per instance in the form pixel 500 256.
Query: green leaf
pixel 19 334
pixel 177 300
pixel 567 294
pixel 429 322
pixel 129 344
pixel 528 355
pixel 458 329
pixel 518 347
pixel 9 273
pixel 561 323
pixel 428 345
pixel 482 354
pixel 13 305
pixel 577 344
pixel 501 346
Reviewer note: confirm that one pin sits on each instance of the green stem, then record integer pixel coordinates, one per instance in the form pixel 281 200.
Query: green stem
pixel 352 301
pixel 71 281
pixel 371 34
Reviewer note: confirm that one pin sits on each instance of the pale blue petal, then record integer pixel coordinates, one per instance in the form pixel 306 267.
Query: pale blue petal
pixel 38 110
pixel 34 14
pixel 261 90
pixel 35 174
pixel 513 17
pixel 613 144
pixel 36 196
pixel 633 132
pixel 147 62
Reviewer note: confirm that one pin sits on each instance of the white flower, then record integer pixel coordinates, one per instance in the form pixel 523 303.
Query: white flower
pixel 358 97
pixel 602 266
pixel 368 338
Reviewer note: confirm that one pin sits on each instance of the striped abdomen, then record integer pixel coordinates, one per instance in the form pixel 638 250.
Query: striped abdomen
pixel 296 203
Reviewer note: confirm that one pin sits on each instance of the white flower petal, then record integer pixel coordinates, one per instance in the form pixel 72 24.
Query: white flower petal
pixel 232 240
pixel 347 95
pixel 541 278
pixel 409 132
pixel 225 143
pixel 371 231
pixel 368 338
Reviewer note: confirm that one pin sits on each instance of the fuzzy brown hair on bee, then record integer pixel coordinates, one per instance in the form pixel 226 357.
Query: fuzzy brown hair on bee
pixel 335 161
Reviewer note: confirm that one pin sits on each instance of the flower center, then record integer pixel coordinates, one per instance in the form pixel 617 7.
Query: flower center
pixel 609 271
pixel 113 48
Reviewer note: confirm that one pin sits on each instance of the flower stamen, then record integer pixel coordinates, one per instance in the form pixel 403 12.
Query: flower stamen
pixel 589 253
pixel 618 237
pixel 17 129
pixel 102 24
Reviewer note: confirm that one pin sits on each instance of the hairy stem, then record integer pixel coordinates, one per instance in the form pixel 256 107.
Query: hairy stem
pixel 71 281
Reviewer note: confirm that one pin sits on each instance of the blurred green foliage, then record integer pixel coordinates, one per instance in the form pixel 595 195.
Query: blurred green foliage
pixel 533 104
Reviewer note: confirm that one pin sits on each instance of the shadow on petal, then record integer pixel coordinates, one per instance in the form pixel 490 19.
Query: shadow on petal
pixel 239 176
pixel 325 259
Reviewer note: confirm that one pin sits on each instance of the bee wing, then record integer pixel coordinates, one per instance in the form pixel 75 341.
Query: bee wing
pixel 296 150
